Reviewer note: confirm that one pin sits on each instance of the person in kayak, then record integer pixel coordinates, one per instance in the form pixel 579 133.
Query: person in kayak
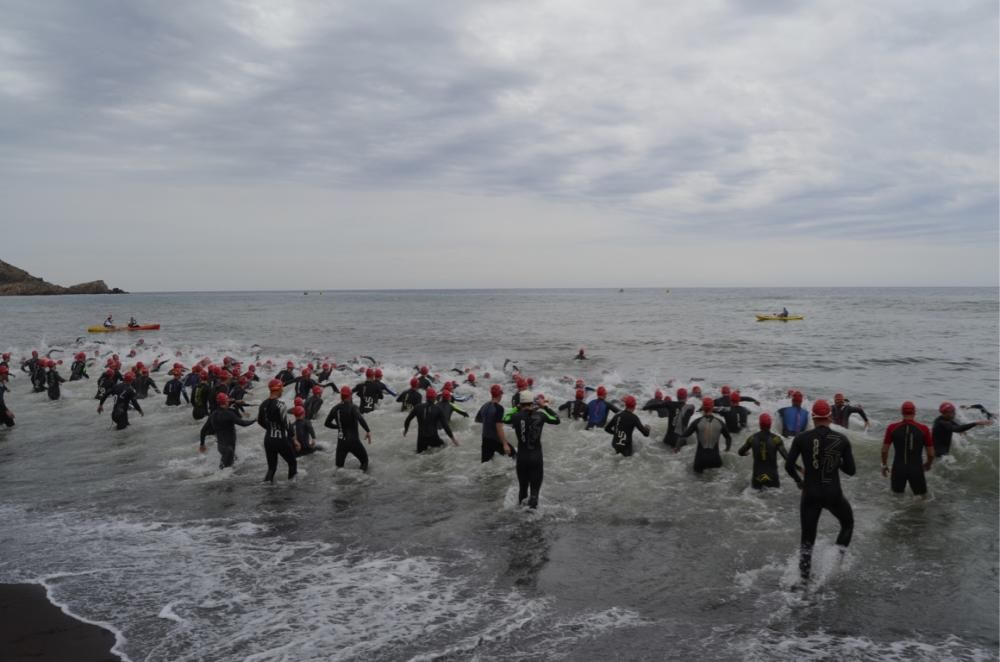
pixel 764 446
pixel 132 324
pixel 78 369
pixel 528 421
pixel 576 409
pixel 784 312
pixel 842 411
pixel 910 441
pixel 622 425
pixel 598 409
pixel 944 427
pixel 794 419
pixel 429 420
pixel 125 398
pixel 6 415
pixel 345 418
pixel 222 424
pixel 491 416
pixel 707 430
pixel 825 453
pixel 109 323
pixel 272 416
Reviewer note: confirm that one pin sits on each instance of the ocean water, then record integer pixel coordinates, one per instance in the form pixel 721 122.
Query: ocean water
pixel 430 558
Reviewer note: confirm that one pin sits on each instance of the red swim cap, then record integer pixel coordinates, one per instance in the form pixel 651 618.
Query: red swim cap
pixel 838 398
pixel 378 373
pixel 946 408
pixel 290 365
pixel 707 404
pixel 682 394
pixel 369 374
pixel 298 412
pixel 629 401
pixel 601 391
pixel 298 402
pixel 471 378
pixel 446 395
pixel 317 390
pixel 765 421
pixel 580 394
pixel 222 399
pixel 275 385
pixel 496 390
pixel 414 383
pixel 423 370
pixel 797 398
pixel 658 395
pixel 908 408
pixel 431 394
pixel 345 392
pixel 725 390
pixel 821 409
pixel 128 376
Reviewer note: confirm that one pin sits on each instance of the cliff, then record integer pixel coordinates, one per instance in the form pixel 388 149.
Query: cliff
pixel 18 282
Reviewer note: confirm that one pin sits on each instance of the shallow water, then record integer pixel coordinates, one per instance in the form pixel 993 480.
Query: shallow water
pixel 429 557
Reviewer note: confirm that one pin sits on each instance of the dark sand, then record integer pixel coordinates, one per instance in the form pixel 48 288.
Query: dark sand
pixel 32 628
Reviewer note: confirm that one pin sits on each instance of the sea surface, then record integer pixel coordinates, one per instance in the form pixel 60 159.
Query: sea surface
pixel 429 557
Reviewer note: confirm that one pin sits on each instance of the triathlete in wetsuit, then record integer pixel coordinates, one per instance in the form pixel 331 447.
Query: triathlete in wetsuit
pixel 491 416
pixel 794 419
pixel 679 415
pixel 222 423
pixel 576 409
pixel 6 415
pixel 598 409
pixel 448 406
pixel 78 370
pixel 765 446
pixel 528 421
pixel 105 383
pixel 345 419
pixel 124 396
pixel 303 432
pixel 174 389
pixel 424 379
pixel 277 439
pixel 411 397
pixel 143 382
pixel 842 411
pixel 286 376
pixel 707 430
pixel 385 390
pixel 53 380
pixel 369 392
pixel 656 404
pixel 825 454
pixel 429 420
pixel 945 426
pixel 580 356
pixel 909 440
pixel 622 425
pixel 313 403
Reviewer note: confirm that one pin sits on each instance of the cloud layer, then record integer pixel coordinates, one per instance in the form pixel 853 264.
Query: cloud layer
pixel 768 121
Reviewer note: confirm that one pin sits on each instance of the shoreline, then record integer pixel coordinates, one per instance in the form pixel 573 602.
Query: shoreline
pixel 32 627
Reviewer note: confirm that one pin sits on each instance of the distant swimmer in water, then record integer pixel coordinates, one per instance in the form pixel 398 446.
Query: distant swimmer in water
pixel 825 454
pixel 430 418
pixel 6 415
pixel 910 441
pixel 622 425
pixel 490 415
pixel 222 424
pixel 944 426
pixel 345 419
pixel 109 323
pixel 272 416
pixel 581 355
pixel 125 398
pixel 707 430
pixel 764 446
pixel 528 421
pixel 989 415
pixel 842 411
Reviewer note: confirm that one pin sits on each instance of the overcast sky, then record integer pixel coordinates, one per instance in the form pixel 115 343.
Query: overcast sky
pixel 285 145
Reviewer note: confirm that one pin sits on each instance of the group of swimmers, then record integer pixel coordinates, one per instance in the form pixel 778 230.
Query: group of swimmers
pixel 218 394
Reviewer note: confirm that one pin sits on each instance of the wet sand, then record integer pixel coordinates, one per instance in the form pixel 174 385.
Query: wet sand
pixel 32 628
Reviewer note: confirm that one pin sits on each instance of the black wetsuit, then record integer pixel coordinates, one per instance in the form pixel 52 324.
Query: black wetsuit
pixel 199 400
pixel 39 383
pixel 908 439
pixel 385 389
pixel 222 423
pixel 104 385
pixel 277 438
pixel 679 414
pixel 942 431
pixel 174 389
pixel 191 381
pixel 449 408
pixel 424 382
pixel 218 388
pixel 621 427
pixel 528 424
pixel 489 415
pixel 52 381
pixel 4 418
pixel 825 454
pixel 369 393
pixel 78 371
pixel 285 376
pixel 237 394
pixel 707 431
pixel 124 396
pixel 765 446
pixel 303 432
pixel 841 414
pixel 430 418
pixel 655 405
pixel 142 384
pixel 575 409
pixel 345 419
pixel 410 398
pixel 312 405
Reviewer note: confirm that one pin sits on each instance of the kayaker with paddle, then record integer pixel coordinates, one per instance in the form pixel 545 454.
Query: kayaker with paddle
pixel 784 312
pixel 109 323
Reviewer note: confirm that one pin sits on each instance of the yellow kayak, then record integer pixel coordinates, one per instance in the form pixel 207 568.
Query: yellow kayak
pixel 779 318
pixel 109 329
